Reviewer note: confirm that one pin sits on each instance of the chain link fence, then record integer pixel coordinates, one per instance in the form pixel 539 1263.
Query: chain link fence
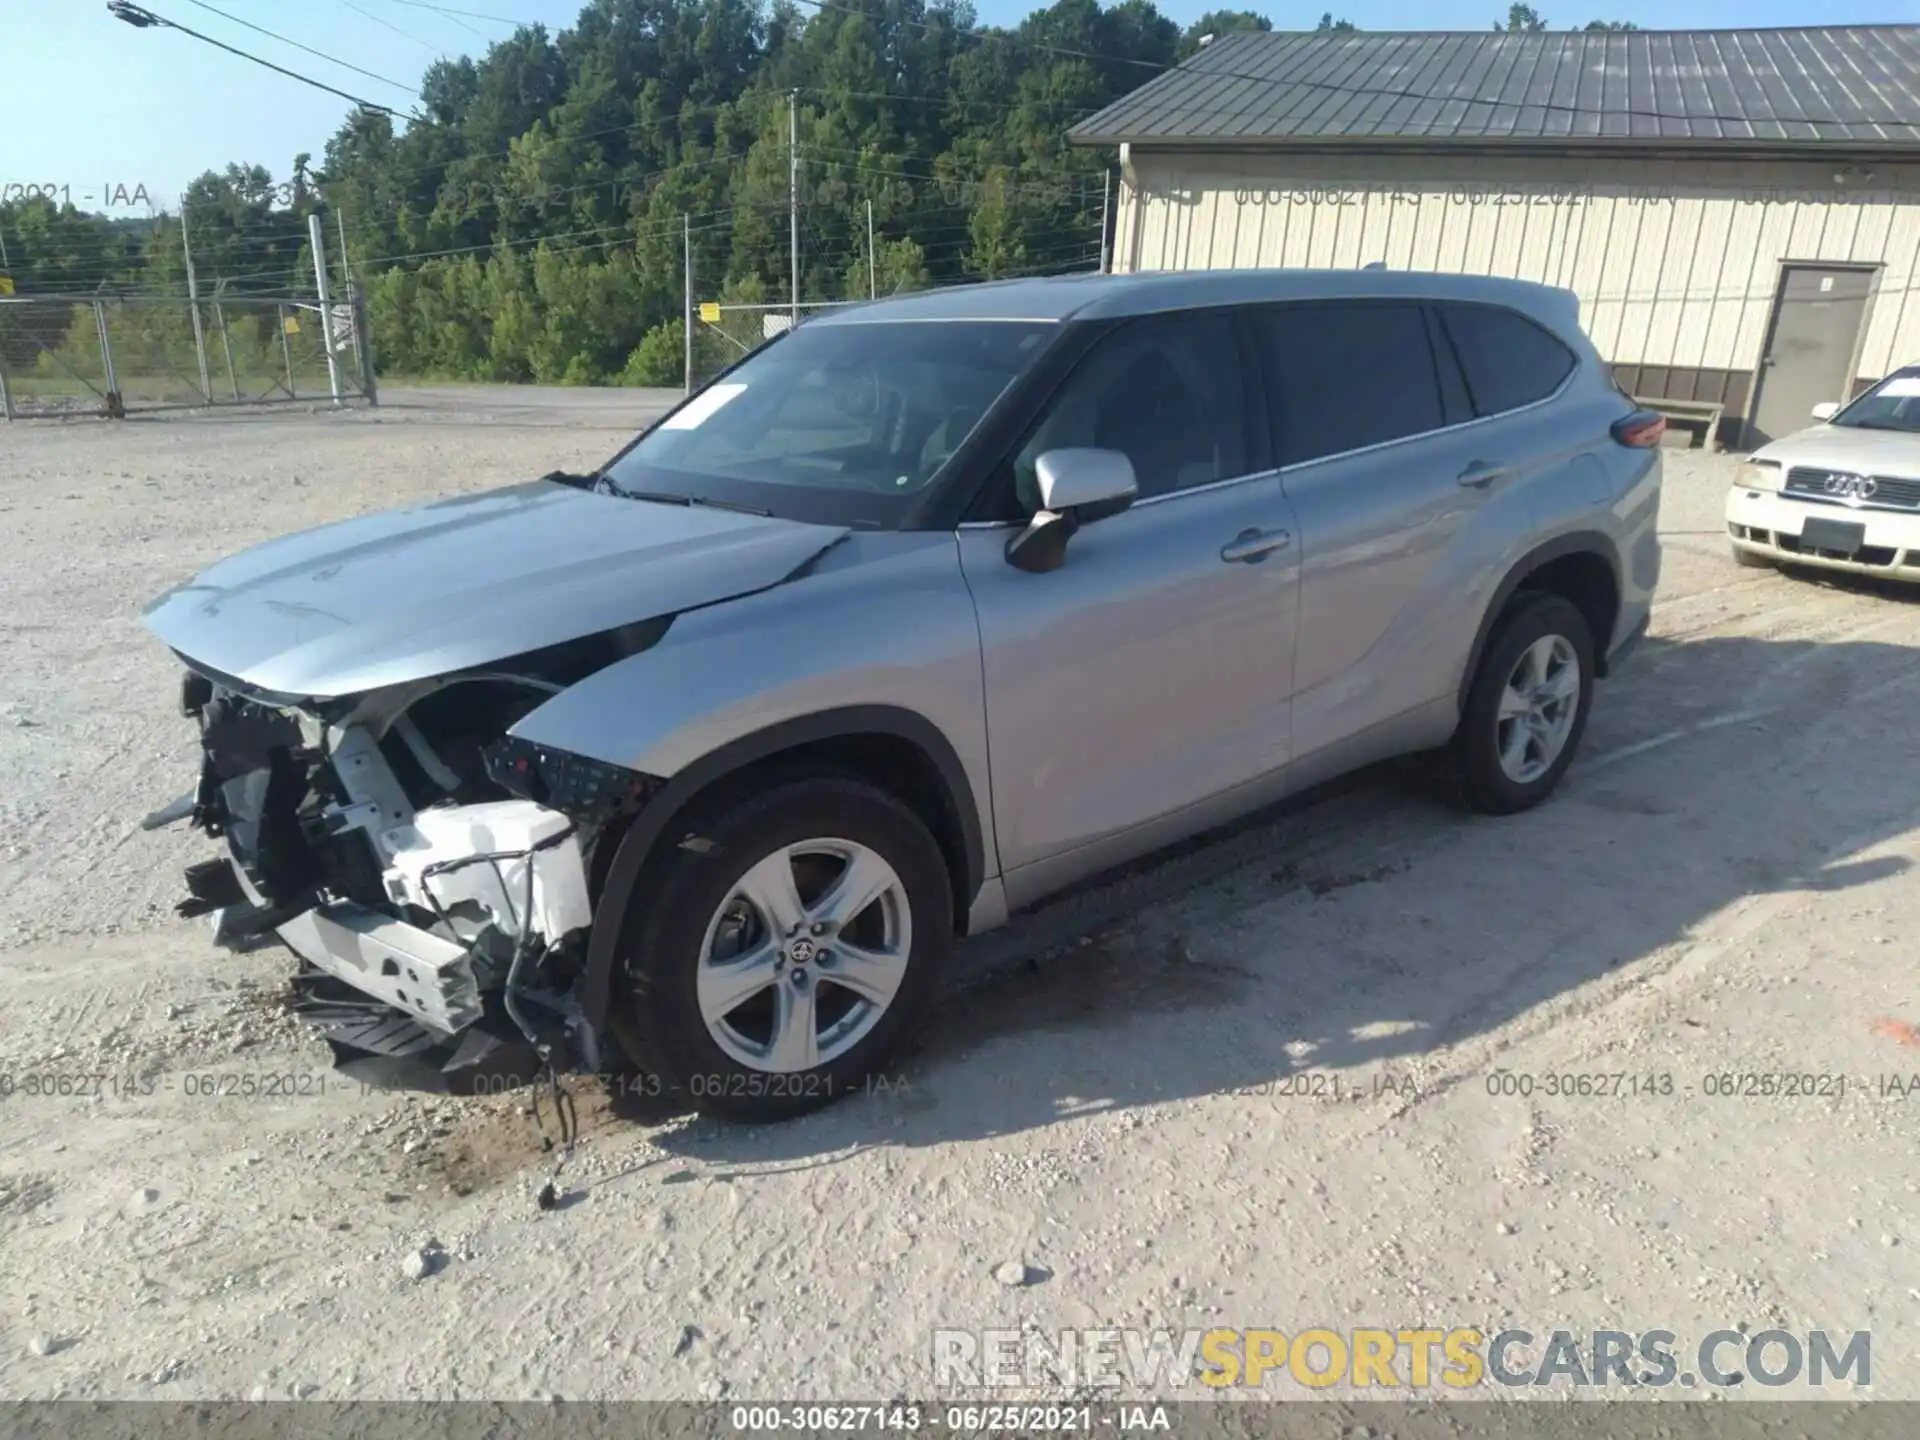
pixel 62 356
pixel 722 334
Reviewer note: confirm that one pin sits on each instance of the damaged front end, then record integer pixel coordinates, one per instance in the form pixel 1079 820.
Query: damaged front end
pixel 430 870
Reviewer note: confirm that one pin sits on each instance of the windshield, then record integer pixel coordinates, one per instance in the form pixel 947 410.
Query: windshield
pixel 1893 404
pixel 843 423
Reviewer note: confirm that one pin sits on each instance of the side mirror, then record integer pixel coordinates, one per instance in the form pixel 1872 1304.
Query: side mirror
pixel 1077 487
pixel 1826 410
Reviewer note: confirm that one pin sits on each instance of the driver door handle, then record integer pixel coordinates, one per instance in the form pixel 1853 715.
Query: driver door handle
pixel 1480 474
pixel 1251 546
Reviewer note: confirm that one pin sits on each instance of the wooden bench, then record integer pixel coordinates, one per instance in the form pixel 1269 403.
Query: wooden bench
pixel 1703 415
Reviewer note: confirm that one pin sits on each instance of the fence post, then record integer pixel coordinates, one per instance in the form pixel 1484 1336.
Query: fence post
pixel 1106 210
pixel 6 391
pixel 286 350
pixel 220 320
pixel 116 409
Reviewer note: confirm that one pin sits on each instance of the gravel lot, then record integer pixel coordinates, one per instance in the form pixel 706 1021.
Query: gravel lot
pixel 1724 885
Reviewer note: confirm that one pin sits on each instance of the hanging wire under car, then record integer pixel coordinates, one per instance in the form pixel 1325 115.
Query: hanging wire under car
pixel 565 1113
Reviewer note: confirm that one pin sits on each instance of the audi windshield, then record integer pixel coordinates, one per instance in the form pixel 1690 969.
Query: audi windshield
pixel 1893 404
pixel 844 423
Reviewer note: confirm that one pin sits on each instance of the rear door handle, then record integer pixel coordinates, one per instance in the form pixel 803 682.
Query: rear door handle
pixel 1480 474
pixel 1252 545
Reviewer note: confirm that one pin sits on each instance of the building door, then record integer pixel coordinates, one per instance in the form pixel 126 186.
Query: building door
pixel 1812 340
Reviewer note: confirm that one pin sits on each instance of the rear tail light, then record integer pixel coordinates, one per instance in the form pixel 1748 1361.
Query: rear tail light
pixel 1642 429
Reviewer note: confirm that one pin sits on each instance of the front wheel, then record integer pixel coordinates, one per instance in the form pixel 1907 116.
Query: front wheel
pixel 1527 707
pixel 1747 560
pixel 779 964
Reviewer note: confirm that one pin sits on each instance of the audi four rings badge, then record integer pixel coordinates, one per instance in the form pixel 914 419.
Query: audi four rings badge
pixel 1853 488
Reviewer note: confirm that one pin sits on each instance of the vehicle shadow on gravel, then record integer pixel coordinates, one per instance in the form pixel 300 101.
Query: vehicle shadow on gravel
pixel 1352 935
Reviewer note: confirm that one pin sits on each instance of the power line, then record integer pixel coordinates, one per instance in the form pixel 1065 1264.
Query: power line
pixel 143 19
pixel 452 13
pixel 275 35
pixel 388 24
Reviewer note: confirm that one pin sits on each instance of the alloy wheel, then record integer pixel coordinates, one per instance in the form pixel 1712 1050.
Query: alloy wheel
pixel 802 959
pixel 1537 709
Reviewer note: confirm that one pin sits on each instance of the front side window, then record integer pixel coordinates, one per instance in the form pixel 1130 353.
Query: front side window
pixel 844 422
pixel 1508 360
pixel 1166 391
pixel 1893 404
pixel 1346 375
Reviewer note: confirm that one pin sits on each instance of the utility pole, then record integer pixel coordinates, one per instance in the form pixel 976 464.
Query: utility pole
pixel 793 204
pixel 319 243
pixel 686 323
pixel 193 305
pixel 873 271
pixel 357 310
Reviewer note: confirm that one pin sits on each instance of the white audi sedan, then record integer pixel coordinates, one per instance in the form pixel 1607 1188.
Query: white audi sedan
pixel 1843 494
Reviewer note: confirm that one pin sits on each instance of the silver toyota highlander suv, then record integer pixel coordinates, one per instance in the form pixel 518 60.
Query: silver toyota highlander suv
pixel 696 767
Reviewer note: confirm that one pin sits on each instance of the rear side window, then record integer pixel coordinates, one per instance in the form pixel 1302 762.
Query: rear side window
pixel 1509 361
pixel 1343 376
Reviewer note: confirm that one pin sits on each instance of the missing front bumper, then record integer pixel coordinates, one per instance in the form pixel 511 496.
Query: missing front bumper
pixel 414 971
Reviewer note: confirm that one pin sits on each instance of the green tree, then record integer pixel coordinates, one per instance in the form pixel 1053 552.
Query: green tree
pixel 996 247
pixel 1219 23
pixel 900 266
pixel 528 225
pixel 660 357
pixel 1521 19
pixel 1329 25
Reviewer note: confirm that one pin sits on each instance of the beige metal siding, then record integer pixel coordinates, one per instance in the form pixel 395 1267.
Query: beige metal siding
pixel 1675 262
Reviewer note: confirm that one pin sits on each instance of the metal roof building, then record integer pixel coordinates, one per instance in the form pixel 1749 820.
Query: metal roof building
pixel 1738 211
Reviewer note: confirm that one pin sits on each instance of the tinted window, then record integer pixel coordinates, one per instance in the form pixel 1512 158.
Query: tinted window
pixel 839 422
pixel 1509 360
pixel 1166 392
pixel 1344 376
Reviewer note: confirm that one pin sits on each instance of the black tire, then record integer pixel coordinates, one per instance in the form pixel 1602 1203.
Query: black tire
pixel 666 927
pixel 1747 560
pixel 1477 779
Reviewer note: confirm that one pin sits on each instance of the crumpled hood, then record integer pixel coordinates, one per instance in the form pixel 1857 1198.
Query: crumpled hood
pixel 1847 447
pixel 413 593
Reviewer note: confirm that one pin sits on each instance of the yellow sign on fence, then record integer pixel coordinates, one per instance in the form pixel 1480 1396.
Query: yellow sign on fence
pixel 292 324
pixel 710 311
pixel 6 284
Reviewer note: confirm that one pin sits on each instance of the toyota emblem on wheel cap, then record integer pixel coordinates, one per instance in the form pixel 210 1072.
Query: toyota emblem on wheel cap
pixel 1852 488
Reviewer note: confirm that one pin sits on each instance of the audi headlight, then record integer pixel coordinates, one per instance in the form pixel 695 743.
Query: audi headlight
pixel 1758 475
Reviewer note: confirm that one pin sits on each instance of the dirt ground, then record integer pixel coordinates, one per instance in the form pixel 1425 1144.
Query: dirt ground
pixel 1254 1086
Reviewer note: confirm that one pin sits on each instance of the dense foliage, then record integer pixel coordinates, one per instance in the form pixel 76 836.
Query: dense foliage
pixel 527 223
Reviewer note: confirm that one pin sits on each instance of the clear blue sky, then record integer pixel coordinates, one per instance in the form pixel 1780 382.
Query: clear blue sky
pixel 92 104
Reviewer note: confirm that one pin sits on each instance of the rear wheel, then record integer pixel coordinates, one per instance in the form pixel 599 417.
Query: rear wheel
pixel 1527 707
pixel 778 964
